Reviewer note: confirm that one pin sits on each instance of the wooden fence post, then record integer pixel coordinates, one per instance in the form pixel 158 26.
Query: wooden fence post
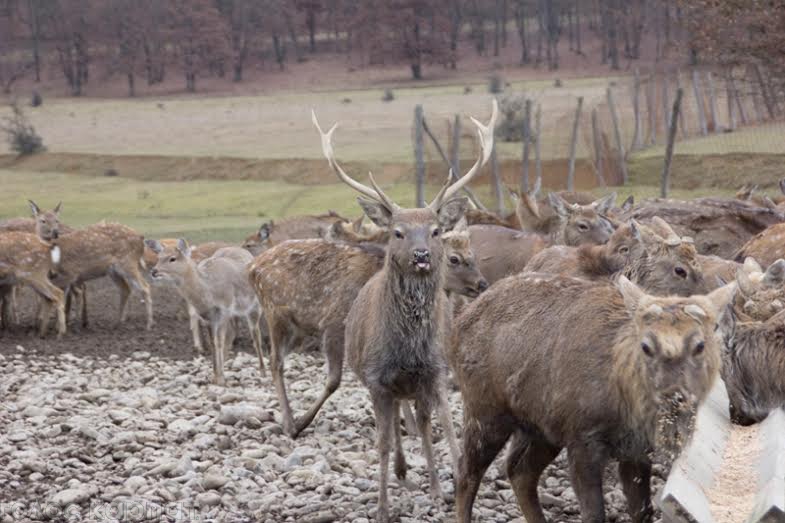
pixel 636 108
pixel 764 92
pixel 682 120
pixel 696 87
pixel 712 101
pixel 617 134
pixel 573 145
pixel 737 98
pixel 526 133
pixel 455 159
pixel 666 170
pixel 537 157
pixel 651 107
pixel 597 142
pixel 419 156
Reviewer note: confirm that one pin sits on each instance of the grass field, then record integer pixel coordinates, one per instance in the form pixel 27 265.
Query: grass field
pixel 199 210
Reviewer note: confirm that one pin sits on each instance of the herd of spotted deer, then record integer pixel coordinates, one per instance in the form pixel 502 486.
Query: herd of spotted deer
pixel 571 323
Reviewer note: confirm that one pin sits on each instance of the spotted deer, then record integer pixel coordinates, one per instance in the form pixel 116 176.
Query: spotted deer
pixel 293 228
pixel 25 259
pixel 216 290
pixel 397 325
pixel 104 249
pixel 605 371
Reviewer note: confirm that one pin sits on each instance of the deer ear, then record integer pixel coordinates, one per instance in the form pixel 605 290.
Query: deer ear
pixel 605 204
pixel 717 300
pixel 514 196
pixel 558 205
pixel 377 212
pixel 628 204
pixel 264 231
pixel 775 274
pixel 631 293
pixel 183 247
pixel 154 245
pixel 462 227
pixel 635 230
pixel 751 265
pixel 34 208
pixel 451 212
pixel 58 207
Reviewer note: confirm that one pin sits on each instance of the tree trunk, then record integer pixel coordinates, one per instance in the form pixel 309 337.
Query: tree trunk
pixel 636 111
pixel 526 133
pixel 520 23
pixel 613 44
pixel 131 84
pixel 419 156
pixel 35 36
pixel 597 142
pixel 696 87
pixel 578 27
pixel 280 53
pixel 311 22
pixel 497 29
pixel 622 156
pixel 537 143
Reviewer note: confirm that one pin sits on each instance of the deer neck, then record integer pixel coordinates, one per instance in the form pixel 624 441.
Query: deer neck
pixel 413 297
pixel 194 288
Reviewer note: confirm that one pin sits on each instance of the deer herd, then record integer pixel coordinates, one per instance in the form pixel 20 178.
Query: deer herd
pixel 570 324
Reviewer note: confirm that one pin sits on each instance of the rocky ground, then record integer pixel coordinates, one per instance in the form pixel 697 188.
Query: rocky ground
pixel 107 433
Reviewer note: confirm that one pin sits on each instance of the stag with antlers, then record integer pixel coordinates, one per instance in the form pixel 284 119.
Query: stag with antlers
pixel 397 326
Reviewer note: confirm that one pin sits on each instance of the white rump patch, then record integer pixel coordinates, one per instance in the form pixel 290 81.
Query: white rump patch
pixel 55 254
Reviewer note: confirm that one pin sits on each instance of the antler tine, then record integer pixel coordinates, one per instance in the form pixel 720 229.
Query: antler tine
pixel 383 197
pixel 486 142
pixel 329 153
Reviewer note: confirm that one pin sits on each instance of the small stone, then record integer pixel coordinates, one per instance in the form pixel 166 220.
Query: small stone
pixel 18 436
pixel 208 499
pixel 213 482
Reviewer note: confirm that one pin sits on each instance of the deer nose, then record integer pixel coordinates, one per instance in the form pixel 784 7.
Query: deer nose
pixel 422 255
pixel 482 285
pixel 154 272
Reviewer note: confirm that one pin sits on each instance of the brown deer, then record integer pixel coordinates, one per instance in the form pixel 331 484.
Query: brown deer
pixel 199 252
pixel 396 327
pixel 293 228
pixel 25 259
pixel 316 306
pixel 766 246
pixel 216 290
pixel 607 372
pixel 104 249
pixel 46 225
pixel 719 226
pixel 653 257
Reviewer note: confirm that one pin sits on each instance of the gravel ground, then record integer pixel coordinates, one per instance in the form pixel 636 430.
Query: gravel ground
pixel 124 425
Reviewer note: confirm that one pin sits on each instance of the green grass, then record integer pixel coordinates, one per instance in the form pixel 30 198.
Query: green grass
pixel 205 210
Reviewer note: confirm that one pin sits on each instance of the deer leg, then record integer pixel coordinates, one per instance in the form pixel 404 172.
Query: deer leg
pixel 278 333
pixel 408 418
pixel 445 418
pixel 332 344
pixel 13 314
pixel 483 439
pixel 80 291
pixel 218 328
pixel 252 319
pixel 231 335
pixel 423 418
pixel 400 457
pixel 43 311
pixel 587 463
pixel 635 482
pixel 526 460
pixel 148 300
pixel 5 306
pixel 125 294
pixel 193 319
pixel 384 413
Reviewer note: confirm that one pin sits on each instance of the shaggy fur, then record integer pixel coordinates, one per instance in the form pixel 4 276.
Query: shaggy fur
pixel 606 372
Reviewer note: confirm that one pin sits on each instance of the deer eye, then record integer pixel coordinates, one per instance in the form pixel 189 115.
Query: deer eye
pixel 454 260
pixel 398 234
pixel 624 250
pixel 435 233
pixel 680 272
pixel 647 350
pixel 699 347
pixel 583 227
pixel 172 259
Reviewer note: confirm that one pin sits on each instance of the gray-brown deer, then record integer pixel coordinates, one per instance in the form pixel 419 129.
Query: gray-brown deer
pixel 307 287
pixel 293 228
pixel 216 291
pixel 25 259
pixel 607 372
pixel 397 326
pixel 653 257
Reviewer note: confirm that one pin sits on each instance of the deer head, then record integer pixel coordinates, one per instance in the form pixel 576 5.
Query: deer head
pixel 463 276
pixel 174 262
pixel 415 245
pixel 583 224
pixel 47 224
pixel 761 293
